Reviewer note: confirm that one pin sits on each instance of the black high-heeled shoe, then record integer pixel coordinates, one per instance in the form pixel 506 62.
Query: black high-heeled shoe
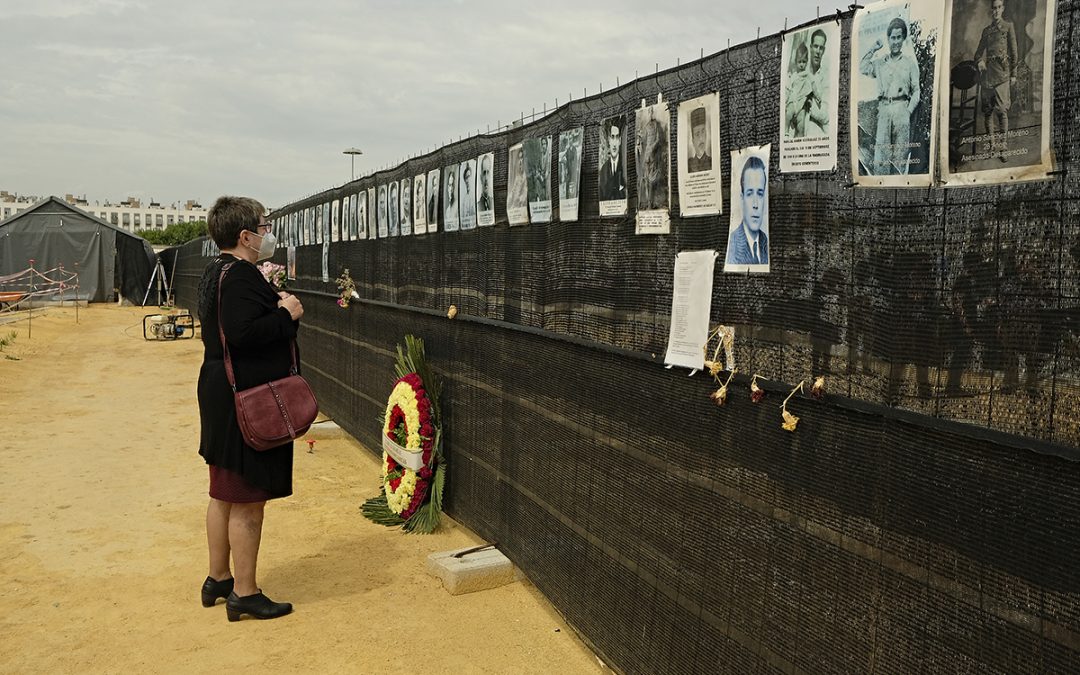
pixel 212 590
pixel 258 606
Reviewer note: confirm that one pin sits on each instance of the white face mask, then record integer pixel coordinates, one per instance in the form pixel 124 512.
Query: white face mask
pixel 266 248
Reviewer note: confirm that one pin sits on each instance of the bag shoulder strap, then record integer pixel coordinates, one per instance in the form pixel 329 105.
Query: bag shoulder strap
pixel 225 344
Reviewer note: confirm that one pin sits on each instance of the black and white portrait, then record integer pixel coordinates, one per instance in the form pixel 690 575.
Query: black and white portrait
pixel 335 220
pixel 420 204
pixel 348 224
pixel 570 173
pixel 995 126
pixel 381 211
pixel 611 175
pixel 893 62
pixel 485 190
pixel 538 178
pixel 372 222
pixel 698 151
pixel 651 153
pixel 450 199
pixel 748 236
pixel 433 185
pixel 405 212
pixel 393 212
pixel 809 96
pixel 361 220
pixel 467 194
pixel 517 189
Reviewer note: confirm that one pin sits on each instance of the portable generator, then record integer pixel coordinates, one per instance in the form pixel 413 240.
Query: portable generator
pixel 180 326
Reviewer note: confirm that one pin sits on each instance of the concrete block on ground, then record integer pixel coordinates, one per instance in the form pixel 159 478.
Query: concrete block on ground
pixel 476 570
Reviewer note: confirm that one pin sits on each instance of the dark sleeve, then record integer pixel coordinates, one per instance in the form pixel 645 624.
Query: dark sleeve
pixel 248 316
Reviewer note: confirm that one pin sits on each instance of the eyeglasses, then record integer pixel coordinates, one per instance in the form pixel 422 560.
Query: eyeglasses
pixel 262 228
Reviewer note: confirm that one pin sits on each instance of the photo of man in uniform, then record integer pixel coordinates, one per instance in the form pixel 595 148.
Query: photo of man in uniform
pixel 748 244
pixel 898 89
pixel 996 57
pixel 701 159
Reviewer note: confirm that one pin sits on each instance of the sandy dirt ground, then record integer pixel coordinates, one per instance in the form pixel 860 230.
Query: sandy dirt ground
pixel 102 541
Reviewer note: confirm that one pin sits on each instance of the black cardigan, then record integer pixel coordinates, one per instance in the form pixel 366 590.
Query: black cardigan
pixel 259 334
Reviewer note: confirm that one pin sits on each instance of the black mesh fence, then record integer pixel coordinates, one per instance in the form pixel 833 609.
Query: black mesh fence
pixel 924 517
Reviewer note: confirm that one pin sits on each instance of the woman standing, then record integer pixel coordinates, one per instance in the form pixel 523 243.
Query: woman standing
pixel 260 326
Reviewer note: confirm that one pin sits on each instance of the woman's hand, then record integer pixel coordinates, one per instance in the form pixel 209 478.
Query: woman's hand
pixel 291 303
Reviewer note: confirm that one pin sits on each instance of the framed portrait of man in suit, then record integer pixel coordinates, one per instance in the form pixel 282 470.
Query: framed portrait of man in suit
pixel 748 237
pixel 611 176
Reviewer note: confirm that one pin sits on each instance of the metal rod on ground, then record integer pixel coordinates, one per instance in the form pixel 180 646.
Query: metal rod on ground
pixel 76 293
pixel 30 304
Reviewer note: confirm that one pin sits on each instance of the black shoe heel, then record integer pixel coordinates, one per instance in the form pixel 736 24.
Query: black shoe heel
pixel 212 590
pixel 257 605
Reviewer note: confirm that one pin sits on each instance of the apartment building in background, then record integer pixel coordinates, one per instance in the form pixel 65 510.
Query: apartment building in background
pixel 130 214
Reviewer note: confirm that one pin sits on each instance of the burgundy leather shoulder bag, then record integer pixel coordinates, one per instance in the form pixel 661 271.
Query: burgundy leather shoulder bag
pixel 274 413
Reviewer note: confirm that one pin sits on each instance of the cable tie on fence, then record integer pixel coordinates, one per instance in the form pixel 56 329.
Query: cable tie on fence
pixel 839 16
pixel 854 6
pixel 848 186
pixel 1058 172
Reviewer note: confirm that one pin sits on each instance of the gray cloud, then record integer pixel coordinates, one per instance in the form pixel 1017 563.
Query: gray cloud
pixel 191 100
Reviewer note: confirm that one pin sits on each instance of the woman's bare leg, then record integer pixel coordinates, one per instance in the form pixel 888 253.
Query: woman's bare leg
pixel 217 538
pixel 245 534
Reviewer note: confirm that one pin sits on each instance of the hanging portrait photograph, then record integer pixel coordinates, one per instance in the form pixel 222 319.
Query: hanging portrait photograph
pixel 698 151
pixel 748 235
pixel 450 201
pixel 372 221
pixel 420 204
pixel 538 178
pixel 570 173
pixel 809 98
pixel 652 150
pixel 393 212
pixel 348 220
pixel 894 72
pixel 361 223
pixel 467 194
pixel 994 124
pixel 611 175
pixel 320 229
pixel 335 220
pixel 380 213
pixel 485 190
pixel 517 189
pixel 433 185
pixel 405 208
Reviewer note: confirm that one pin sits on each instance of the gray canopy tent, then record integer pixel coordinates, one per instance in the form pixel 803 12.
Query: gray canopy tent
pixel 54 233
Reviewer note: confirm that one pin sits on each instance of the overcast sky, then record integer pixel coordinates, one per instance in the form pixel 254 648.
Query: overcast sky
pixel 190 99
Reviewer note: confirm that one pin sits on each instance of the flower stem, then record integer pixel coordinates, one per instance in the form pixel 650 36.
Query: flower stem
pixel 798 387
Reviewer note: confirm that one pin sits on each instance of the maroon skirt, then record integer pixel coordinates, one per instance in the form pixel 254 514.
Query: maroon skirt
pixel 228 486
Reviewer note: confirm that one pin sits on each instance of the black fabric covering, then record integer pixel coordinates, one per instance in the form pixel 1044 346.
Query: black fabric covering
pixel 924 517
pixel 260 337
